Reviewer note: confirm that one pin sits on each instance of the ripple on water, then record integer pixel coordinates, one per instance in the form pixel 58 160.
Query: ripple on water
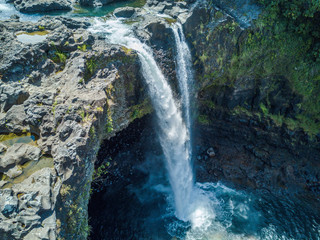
pixel 236 215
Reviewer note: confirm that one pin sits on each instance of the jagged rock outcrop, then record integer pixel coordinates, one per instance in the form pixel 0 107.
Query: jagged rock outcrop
pixel 67 92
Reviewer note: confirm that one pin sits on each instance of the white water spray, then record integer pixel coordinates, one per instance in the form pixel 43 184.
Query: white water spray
pixel 184 70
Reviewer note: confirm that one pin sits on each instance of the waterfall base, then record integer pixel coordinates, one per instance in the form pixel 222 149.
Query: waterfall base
pixel 134 201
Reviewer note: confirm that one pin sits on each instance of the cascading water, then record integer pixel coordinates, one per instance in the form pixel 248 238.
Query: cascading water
pixel 174 135
pixel 184 70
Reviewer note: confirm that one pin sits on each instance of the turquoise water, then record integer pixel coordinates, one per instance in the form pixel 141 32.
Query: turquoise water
pixel 6 10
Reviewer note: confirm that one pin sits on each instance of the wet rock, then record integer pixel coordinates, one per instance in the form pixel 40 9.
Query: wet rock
pixel 3 148
pixel 14 120
pixel 125 12
pixel 22 206
pixel 211 153
pixel 19 153
pixel 14 172
pixel 10 95
pixel 8 203
pixel 34 6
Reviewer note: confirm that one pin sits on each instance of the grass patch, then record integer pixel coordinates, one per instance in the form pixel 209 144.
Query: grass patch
pixel 170 20
pixel 140 110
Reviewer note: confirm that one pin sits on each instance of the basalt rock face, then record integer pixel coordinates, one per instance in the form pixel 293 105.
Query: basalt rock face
pixel 244 116
pixel 59 98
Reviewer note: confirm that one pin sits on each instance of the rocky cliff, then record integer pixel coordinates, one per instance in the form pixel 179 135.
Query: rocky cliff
pixel 250 107
pixel 59 98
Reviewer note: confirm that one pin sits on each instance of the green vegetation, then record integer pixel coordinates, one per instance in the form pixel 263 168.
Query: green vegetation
pixel 92 132
pixel 91 67
pixel 59 56
pixel 218 15
pixel 99 109
pixel 101 171
pixel 41 28
pixel 109 125
pixel 285 41
pixel 140 110
pixel 230 26
pixel 300 17
pixel 83 48
pixel 65 190
pixel 203 119
pixel 126 50
pixel 170 20
pixel 54 105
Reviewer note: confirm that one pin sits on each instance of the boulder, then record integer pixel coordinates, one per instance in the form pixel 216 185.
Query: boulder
pixel 26 209
pixel 34 6
pixel 14 120
pixel 14 172
pixel 11 95
pixel 211 153
pixel 19 153
pixel 125 12
pixel 3 148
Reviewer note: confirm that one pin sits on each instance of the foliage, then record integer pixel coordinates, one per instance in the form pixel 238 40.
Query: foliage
pixel 301 17
pixel 109 125
pixel 92 132
pixel 65 190
pixel 126 50
pixel 60 57
pixel 170 20
pixel 54 105
pixel 273 49
pixel 140 110
pixel 83 47
pixel 203 119
pixel 91 67
pixel 100 171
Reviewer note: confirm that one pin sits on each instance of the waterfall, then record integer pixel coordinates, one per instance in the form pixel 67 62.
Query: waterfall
pixel 184 70
pixel 174 136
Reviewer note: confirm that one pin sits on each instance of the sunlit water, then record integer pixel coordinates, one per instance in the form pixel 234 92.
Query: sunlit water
pixel 184 71
pixel 7 10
